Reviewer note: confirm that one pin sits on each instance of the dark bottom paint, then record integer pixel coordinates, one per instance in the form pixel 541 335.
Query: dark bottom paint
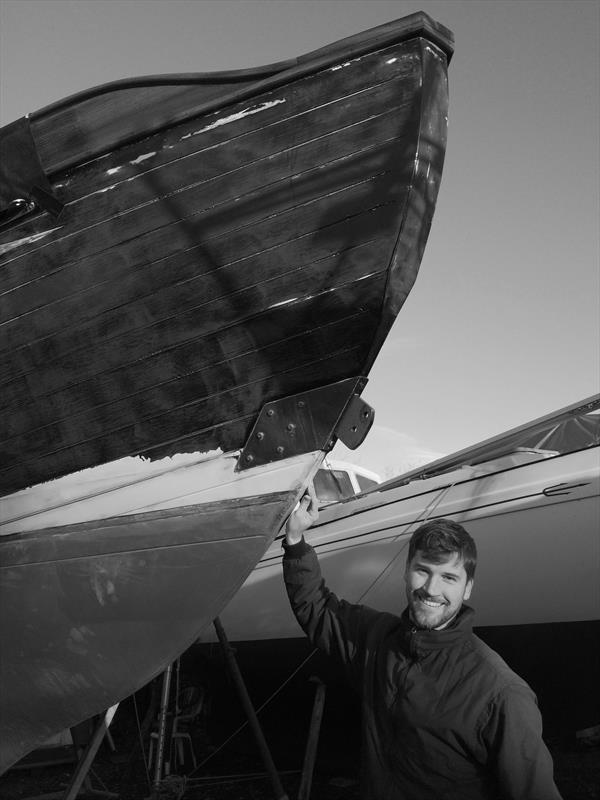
pixel 90 613
pixel 560 661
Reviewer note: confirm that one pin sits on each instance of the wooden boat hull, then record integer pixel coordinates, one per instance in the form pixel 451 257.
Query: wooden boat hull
pixel 236 257
pixel 178 255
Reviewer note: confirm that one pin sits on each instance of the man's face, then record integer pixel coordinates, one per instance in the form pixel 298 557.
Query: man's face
pixel 435 591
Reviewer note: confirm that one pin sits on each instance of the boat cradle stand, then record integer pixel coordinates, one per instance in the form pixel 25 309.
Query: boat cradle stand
pixel 81 778
pixel 263 747
pixel 271 773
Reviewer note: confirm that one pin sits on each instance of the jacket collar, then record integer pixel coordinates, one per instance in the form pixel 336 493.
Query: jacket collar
pixel 419 642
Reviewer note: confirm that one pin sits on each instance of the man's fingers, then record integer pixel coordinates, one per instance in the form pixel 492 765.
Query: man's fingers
pixel 309 497
pixel 313 507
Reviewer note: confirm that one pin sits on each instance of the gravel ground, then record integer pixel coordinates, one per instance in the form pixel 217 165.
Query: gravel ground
pixel 577 776
pixel 236 772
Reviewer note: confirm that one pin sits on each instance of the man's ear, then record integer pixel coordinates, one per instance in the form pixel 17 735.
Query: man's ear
pixel 468 589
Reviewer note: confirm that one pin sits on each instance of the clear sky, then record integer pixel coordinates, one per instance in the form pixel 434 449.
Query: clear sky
pixel 503 322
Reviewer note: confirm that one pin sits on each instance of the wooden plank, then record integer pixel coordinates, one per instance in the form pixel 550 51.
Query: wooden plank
pixel 96 119
pixel 272 180
pixel 202 207
pixel 184 430
pixel 310 100
pixel 106 283
pixel 384 82
pixel 182 270
pixel 160 401
pixel 115 298
pixel 196 378
pixel 279 150
pixel 86 128
pixel 215 324
pixel 320 218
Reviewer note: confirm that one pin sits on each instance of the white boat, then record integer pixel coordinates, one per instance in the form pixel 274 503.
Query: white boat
pixel 339 480
pixel 531 500
pixel 519 501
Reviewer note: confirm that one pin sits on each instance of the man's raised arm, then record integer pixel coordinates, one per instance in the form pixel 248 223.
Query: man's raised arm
pixel 334 626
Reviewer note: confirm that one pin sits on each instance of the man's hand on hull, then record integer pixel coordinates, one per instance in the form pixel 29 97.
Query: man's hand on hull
pixel 302 517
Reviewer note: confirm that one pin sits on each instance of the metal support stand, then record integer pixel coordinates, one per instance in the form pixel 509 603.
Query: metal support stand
pixel 250 712
pixel 162 727
pixel 313 740
pixel 80 776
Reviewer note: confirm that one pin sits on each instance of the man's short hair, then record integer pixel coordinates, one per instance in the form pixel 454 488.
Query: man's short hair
pixel 441 537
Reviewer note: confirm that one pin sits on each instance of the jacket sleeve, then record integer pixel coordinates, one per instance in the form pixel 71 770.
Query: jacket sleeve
pixel 520 759
pixel 338 628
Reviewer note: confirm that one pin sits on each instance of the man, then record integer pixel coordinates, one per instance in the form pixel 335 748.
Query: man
pixel 443 716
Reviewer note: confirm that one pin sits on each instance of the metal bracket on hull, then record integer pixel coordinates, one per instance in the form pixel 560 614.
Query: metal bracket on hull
pixel 355 423
pixel 308 421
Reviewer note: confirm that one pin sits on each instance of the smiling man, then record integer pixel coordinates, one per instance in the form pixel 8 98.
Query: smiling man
pixel 439 573
pixel 443 716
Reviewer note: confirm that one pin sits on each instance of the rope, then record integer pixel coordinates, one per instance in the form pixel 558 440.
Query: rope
pixel 215 780
pixel 258 710
pixel 139 727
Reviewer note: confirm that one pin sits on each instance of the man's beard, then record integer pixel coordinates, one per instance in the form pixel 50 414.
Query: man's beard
pixel 428 620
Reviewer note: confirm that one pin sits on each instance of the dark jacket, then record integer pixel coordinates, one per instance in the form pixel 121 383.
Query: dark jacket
pixel 443 716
